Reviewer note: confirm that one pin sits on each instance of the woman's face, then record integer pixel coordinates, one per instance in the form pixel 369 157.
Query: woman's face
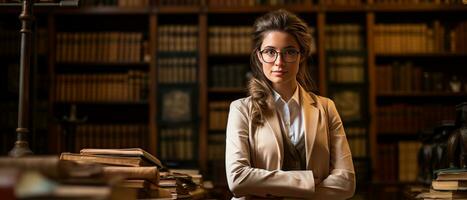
pixel 280 57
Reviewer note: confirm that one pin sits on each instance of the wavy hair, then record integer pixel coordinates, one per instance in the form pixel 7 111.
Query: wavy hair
pixel 259 87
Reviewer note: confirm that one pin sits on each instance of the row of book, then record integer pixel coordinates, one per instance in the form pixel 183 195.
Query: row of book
pixel 118 3
pixel 9 114
pixel 229 40
pixel 10 41
pixel 177 38
pixel 110 136
pixel 418 1
pixel 177 144
pixel 100 47
pixel 405 77
pixel 113 87
pixel 349 103
pixel 179 2
pixel 408 157
pixel 409 38
pixel 398 161
pixel 414 118
pixel 177 70
pixel 218 114
pixel 228 76
pixel 343 2
pixel 10 78
pixel 362 171
pixel 216 147
pixel 346 69
pixel 230 3
pixel 458 38
pixel 358 140
pixel 348 37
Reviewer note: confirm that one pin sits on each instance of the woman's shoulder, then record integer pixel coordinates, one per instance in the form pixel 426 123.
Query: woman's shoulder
pixel 241 103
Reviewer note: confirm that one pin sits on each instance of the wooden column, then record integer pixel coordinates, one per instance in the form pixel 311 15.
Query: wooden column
pixel 370 22
pixel 322 53
pixel 203 90
pixel 153 139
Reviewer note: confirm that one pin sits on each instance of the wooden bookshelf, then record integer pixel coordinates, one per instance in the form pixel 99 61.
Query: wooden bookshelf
pixel 422 94
pixel 446 55
pixel 227 90
pixel 203 16
pixel 103 10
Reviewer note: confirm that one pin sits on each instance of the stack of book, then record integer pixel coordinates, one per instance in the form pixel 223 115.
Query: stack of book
pixel 47 177
pixel 138 168
pixel 183 184
pixel 448 184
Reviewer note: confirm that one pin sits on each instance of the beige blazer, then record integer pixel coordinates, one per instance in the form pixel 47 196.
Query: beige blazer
pixel 254 155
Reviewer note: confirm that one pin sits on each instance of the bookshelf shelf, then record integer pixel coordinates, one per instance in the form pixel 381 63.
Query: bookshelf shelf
pixel 178 10
pixel 259 9
pixel 390 137
pixel 129 65
pixel 422 55
pixel 103 10
pixel 227 90
pixel 217 131
pixel 232 55
pixel 103 103
pixel 422 94
pixel 306 8
pixel 343 9
pixel 430 8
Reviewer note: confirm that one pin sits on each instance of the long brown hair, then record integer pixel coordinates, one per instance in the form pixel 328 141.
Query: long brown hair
pixel 259 87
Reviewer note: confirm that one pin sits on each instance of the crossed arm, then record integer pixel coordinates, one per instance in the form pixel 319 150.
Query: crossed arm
pixel 245 180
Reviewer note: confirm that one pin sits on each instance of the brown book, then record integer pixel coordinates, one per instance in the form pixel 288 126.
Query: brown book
pixel 136 153
pixel 452 175
pixel 138 184
pixel 434 194
pixel 106 159
pixel 145 173
pixel 449 185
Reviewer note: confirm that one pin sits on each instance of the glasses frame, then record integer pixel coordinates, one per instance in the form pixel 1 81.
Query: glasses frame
pixel 277 55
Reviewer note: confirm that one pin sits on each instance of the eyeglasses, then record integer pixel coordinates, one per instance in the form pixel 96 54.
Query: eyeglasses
pixel 270 55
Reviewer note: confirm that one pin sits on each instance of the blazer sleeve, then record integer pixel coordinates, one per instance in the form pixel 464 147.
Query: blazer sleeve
pixel 245 180
pixel 340 184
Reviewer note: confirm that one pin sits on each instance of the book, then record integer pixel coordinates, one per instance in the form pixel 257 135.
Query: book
pixel 449 185
pixel 138 184
pixel 136 153
pixel 434 194
pixel 145 173
pixel 451 174
pixel 105 159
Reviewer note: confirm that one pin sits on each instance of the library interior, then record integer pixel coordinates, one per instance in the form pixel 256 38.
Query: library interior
pixel 130 99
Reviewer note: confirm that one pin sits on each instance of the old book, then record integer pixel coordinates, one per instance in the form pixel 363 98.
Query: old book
pixel 449 185
pixel 451 174
pixel 106 159
pixel 146 173
pixel 49 165
pixel 135 153
pixel 139 184
pixel 434 194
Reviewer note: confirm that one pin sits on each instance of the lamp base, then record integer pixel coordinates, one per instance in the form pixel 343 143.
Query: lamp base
pixel 20 149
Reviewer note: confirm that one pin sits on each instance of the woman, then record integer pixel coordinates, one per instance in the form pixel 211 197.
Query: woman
pixel 283 140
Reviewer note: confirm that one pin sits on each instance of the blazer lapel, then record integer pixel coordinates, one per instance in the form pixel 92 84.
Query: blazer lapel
pixel 273 123
pixel 310 116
